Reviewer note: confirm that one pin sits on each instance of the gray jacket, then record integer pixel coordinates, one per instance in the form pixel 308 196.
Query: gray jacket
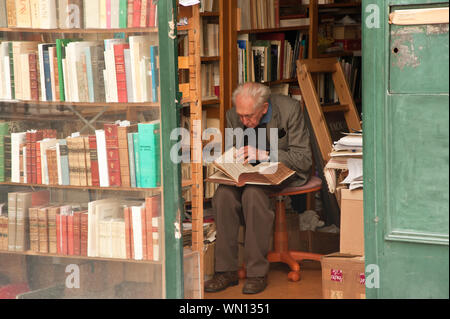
pixel 294 148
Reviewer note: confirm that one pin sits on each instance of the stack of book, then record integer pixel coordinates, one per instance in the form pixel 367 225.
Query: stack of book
pixel 115 70
pixel 120 154
pixel 270 57
pixel 107 228
pixel 66 14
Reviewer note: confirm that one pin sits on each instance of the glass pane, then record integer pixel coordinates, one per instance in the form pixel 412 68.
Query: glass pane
pixel 80 159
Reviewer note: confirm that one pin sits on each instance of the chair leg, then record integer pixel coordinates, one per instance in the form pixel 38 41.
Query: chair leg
pixel 281 252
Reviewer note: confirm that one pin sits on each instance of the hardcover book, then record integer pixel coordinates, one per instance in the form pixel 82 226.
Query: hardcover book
pixel 231 172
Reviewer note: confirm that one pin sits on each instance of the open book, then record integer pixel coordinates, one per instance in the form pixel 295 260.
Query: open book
pixel 231 172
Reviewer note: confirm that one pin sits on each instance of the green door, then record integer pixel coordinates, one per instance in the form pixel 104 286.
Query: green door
pixel 406 152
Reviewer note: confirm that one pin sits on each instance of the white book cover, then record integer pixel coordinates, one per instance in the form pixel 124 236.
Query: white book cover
pixel 25 78
pixel 46 144
pixel 107 91
pixel 51 56
pixel 102 11
pixel 58 163
pixel 16 140
pixel 111 74
pixel 136 218
pixel 65 80
pixel 102 160
pixel 91 14
pixel 47 10
pixel 129 80
pixel 35 14
pixel 97 211
pixel 136 46
pixel 115 14
pixel 41 70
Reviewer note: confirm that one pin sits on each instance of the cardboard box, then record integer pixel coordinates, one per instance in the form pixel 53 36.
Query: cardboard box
pixel 352 222
pixel 343 277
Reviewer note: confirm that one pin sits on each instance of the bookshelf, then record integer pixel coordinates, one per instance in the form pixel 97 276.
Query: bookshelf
pixel 202 47
pixel 161 277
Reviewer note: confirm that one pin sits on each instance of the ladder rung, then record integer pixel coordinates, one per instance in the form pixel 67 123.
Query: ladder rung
pixel 335 108
pixel 183 62
pixel 320 65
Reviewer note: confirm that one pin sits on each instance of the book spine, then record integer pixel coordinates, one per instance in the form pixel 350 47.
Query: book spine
pixel 76 233
pixel 136 13
pixel 56 86
pixel 130 4
pixel 128 76
pixel 7 145
pixel 137 159
pixel 52 234
pixel 47 77
pixel 47 10
pixel 143 17
pixel 154 72
pixel 144 233
pixel 123 13
pixel 83 234
pixel 22 207
pixel 102 158
pixel 102 11
pixel 89 74
pixel 34 229
pixel 43 230
pixel 151 22
pixel 120 72
pixel 149 227
pixel 136 212
pixel 58 234
pixel 75 13
pixel 123 156
pixel 91 14
pixel 11 13
pixel 64 235
pixel 94 160
pixel 63 153
pixel 128 237
pixel 34 83
pixel 112 150
pixel 28 140
pixel 115 14
pixel 156 239
pixel 12 202
pixel 87 152
pixel 23 14
pixel 82 169
pixel 70 235
pixel 108 14
pixel 35 14
pixel 131 160
pixel 149 152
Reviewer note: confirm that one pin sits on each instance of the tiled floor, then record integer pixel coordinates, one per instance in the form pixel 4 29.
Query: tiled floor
pixel 279 286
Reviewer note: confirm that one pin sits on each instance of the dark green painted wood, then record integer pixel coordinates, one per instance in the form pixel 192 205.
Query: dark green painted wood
pixel 171 172
pixel 406 156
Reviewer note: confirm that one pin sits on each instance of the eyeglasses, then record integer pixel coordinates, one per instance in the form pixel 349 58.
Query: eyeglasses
pixel 252 115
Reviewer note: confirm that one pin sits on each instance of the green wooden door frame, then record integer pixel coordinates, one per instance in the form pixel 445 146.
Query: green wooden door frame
pixel 171 178
pixel 410 265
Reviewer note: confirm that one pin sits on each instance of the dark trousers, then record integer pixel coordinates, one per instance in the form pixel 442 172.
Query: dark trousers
pixel 251 206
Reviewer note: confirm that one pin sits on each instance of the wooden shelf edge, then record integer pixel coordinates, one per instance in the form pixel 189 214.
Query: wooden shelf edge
pixel 33 253
pixel 340 5
pixel 272 30
pixel 128 189
pixel 116 30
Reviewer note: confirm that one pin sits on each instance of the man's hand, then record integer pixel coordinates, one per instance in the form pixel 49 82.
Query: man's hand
pixel 251 154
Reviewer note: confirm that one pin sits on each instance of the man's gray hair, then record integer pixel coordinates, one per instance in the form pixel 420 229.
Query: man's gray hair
pixel 258 91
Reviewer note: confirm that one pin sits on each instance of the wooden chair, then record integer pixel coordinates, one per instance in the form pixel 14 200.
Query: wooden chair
pixel 281 252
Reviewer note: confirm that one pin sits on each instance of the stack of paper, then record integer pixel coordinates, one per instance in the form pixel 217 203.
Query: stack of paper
pixel 346 157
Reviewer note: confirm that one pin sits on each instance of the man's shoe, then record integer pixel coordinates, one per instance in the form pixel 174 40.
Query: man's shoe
pixel 254 285
pixel 222 280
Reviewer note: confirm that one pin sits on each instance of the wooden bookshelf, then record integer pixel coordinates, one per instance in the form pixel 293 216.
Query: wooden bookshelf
pixel 170 277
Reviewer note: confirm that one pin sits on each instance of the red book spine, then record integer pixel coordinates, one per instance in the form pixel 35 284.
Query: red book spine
pixel 144 233
pixel 76 233
pixel 38 164
pixel 94 160
pixel 29 154
pixel 70 235
pixel 112 151
pixel 137 13
pixel 64 247
pixel 34 87
pixel 58 234
pixel 151 22
pixel 121 80
pixel 149 203
pixel 276 4
pixel 127 217
pixel 35 137
pixel 83 234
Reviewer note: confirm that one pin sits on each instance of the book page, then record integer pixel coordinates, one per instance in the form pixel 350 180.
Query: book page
pixel 228 165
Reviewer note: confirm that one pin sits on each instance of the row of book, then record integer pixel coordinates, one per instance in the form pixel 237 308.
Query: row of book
pixel 107 228
pixel 270 57
pixel 66 14
pixel 265 14
pixel 115 70
pixel 121 154
pixel 351 67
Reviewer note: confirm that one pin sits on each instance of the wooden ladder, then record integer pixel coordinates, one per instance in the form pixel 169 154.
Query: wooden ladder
pixel 316 111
